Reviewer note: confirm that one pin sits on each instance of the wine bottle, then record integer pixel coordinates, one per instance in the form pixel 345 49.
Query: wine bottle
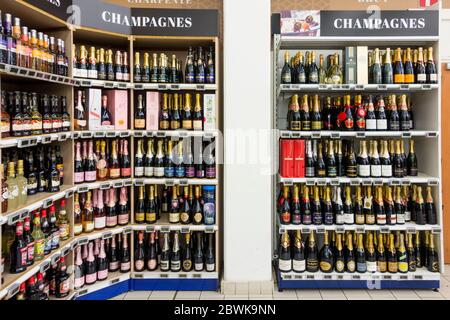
pixel 294 117
pixel 140 210
pixel 316 207
pixel 381 255
pixel 286 73
pixel 420 208
pixel 363 161
pixel 431 70
pixel 78 270
pixel 361 265
pixel 90 267
pixel 90 172
pixel 187 254
pixel 420 70
pixel 377 74
pixel 145 70
pixel 139 254
pixel 389 209
pixel 285 212
pixel 165 254
pixel 152 258
pixel 430 208
pixel 125 264
pixel 175 256
pixel 382 123
pixel 298 254
pixel 139 160
pixel 338 207
pixel 326 256
pixel 174 215
pixel 312 256
pixel 346 116
pixel 304 113
pixel 392 256
pixel 139 115
pixel 350 262
pixel 348 207
pixel 409 68
pixel 327 208
pixel 399 208
pixel 296 210
pixel 388 77
pixel 399 72
pixel 79 116
pixel 309 161
pixel 113 256
pixel 331 161
pixel 402 256
pixel 412 263
pixel 18 251
pixel 433 257
pixel 412 166
pixel 197 210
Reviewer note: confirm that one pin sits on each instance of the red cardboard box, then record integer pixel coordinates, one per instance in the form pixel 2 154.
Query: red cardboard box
pixel 287 158
pixel 118 106
pixel 299 158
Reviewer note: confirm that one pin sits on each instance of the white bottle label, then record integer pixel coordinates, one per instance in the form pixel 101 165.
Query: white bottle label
pixel 375 171
pixel 371 266
pixel 299 266
pixel 364 170
pixel 386 171
pixel 210 267
pixel 371 124
pixel 138 171
pixel 407 216
pixel 285 265
pixel 349 218
pixel 159 172
pixel 401 218
pixel 148 171
pixel 382 125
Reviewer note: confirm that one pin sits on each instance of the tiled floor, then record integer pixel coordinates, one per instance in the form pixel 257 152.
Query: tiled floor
pixel 443 294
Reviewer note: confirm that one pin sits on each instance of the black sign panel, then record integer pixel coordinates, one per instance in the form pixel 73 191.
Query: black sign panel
pixel 57 8
pixel 276 23
pixel 418 23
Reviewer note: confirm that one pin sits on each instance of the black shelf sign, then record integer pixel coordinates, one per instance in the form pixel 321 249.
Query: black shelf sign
pixel 57 8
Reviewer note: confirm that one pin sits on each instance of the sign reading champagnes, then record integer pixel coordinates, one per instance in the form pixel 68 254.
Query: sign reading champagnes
pixel 137 21
pixel 315 23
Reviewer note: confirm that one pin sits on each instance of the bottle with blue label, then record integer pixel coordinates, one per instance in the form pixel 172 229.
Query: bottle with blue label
pixel 209 207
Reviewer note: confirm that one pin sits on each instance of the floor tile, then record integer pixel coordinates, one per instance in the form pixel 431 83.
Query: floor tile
pixel 381 295
pixel 332 294
pixel 162 295
pixel 308 294
pixel 261 297
pixel 207 295
pixel 119 297
pixel 427 294
pixel 357 295
pixel 405 295
pixel 138 295
pixel 288 294
pixel 188 295
pixel 236 297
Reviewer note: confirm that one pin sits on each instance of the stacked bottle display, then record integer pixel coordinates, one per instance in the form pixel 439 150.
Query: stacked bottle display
pixel 101 64
pixel 178 205
pixel 54 283
pixel 362 113
pixel 31 49
pixel 351 252
pixel 28 172
pixel 303 69
pixel 95 260
pixel 176 112
pixel 31 240
pixel 174 252
pixel 346 205
pixel 186 158
pixel 101 159
pixel 28 114
pixel 199 67
pixel 402 66
pixel 100 209
pixel 337 158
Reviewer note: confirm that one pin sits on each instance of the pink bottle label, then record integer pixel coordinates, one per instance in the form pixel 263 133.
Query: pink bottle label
pixel 125 172
pixel 79 177
pixel 100 223
pixel 91 278
pixel 111 221
pixel 102 275
pixel 79 282
pixel 90 176
pixel 124 219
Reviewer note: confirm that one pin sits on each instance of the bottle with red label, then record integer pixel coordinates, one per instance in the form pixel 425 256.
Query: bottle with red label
pixel 18 251
pixel 102 263
pixel 360 124
pixel 346 116
pixel 62 280
pixel 29 241
pixel 79 167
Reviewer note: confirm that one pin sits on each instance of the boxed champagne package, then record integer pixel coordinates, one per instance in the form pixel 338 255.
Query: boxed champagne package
pixel 152 114
pixel 94 108
pixel 287 158
pixel 209 107
pixel 299 158
pixel 350 65
pixel 363 65
pixel 118 107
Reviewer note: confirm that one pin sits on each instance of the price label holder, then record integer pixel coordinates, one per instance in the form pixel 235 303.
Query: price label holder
pixel 418 277
pixel 160 134
pixel 164 275
pixel 316 135
pixel 297 277
pixel 335 182
pixel 83 241
pixel 39 75
pixel 435 230
pixel 185 230
pixel 355 182
pixel 208 136
pixel 63 137
pixel 127 230
pixel 128 183
pixel 13 290
pixel 165 229
pixel 310 277
pixel 310 183
pixel 406 182
pixel 138 276
pixel 124 134
pixel 327 277
pixel 74 245
pixel 367 182
pixel 139 183
pixel 85 83
pixel 23 143
pixel 322 87
pixel 404 87
pixel 139 134
pixel 384 230
pixel 285 87
pixel 55 258
pixel 200 87
pixel 170 183
pixel 285 135
pixel 111 134
pixel 295 87
pixel 361 230
pixel 183 134
pixel 321 182
pixel 83 189
pixel 47 203
pixel 288 182
pixel 346 87
pixel 321 231
pixel 14 218
pixel 139 87
pixel 86 135
pixel 382 87
pixel 107 235
pixel 433 183
pixel 14 70
pixel 54 78
pixel 65 252
pixel 359 87
pixel 32 74
pixel 406 135
pixel 150 229
pixel 356 277
pixel 24 214
pixel 340 230
pixel 46 140
pixel 182 276
pixel 44 266
pixel 426 87
pixel 184 182
pixel 109 85
pixel 360 135
pixel 175 87
pixel 122 85
pixel 162 87
pixel 99 134
pixel 378 182
pixel 282 230
pixel 403 278
pixel 395 182
pixel 431 134
pixel 340 277
pixel 306 231
pixel 296 135
pixel 75 135
pixel 105 186
pixel 336 87
pixel 335 136
pixel 411 230
pixel 69 194
pixel 82 292
pixel 114 281
pixel 209 230
pixel 118 184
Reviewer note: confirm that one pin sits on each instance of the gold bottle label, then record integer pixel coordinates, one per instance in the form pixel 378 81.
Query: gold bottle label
pixel 148 217
pixel 340 266
pixel 381 266
pixel 325 266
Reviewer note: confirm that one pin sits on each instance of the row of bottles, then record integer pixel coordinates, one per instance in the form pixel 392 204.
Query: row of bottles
pixel 199 67
pixel 96 259
pixel 186 158
pixel 101 64
pixel 28 172
pixel 337 158
pixel 179 205
pixel 174 252
pixel 26 243
pixel 54 283
pixel 304 205
pixel 100 209
pixel 109 160
pixel 31 49
pixel 26 114
pixel 398 252
pixel 362 113
pixel 303 69
pixel 402 66
pixel 81 112
pixel 175 112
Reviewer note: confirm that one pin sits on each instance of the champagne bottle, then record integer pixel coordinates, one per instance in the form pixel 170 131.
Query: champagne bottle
pixel 338 207
pixel 140 216
pixel 377 74
pixel 305 116
pixel 351 166
pixel 350 259
pixel 299 261
pixel 313 70
pixel 286 73
pixel 199 263
pixel 433 258
pixel 409 68
pixel 421 76
pixel 175 256
pixel 312 257
pixel 187 254
pixel 210 259
pixel 348 207
pixel 316 207
pixel 399 208
pixel 139 116
pixel 386 164
pixel 358 207
pixel 430 208
pixel 326 256
pixel 328 215
pixel 138 76
pixel 399 73
pixel 152 259
pixel 339 256
pixel 402 256
pixel 285 213
pixel 331 161
pixel 296 210
pixel 90 267
pixel 420 208
pixel 388 77
pixel 412 263
pixel 389 209
pixel 306 207
pixel 361 266
pixel 363 161
pixel 174 215
pixel 381 255
pixel 294 116
pixel 102 263
pixel 125 264
pixel 431 70
pixel 150 208
pixel 412 166
pixel 392 256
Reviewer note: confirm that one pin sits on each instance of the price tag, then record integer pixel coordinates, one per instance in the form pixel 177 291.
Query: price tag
pixel 69 194
pixel 297 277
pixel 99 134
pixel 86 135
pixel 107 235
pixel 382 87
pixel 13 290
pixel 122 85
pixel 127 230
pixel 160 134
pixel 433 183
pixel 109 84
pixel 24 214
pixel 105 186
pixel 39 75
pixel 139 134
pixel 83 241
pixel 406 135
pixel 85 83
pixel 316 135
pixel 32 74
pixel 367 182
pixel 118 184
pixel 111 134
pixel 356 277
pixel 361 135
pixel 184 182
pixel 406 182
pixel 355 182
pixel 13 219
pixel 150 229
pixel 75 135
pixel 411 230
pixel 432 135
pixel 182 276
pixel 74 245
pixel 83 292
pixel 296 135
pixel 138 276
pixel 404 87
pixel 128 183
pixel 65 252
pixel 321 182
pixel 46 140
pixel 282 231
pixel 327 277
pixel 436 230
pixel 164 275
pixel 54 78
pixel 336 87
pixel 322 87
pixel 44 267
pixel 14 70
pixel 83 189
pixel 306 231
pixel 197 275
pixel 114 281
pixel 165 229
pixel 138 183
pixel 418 277
pixel 335 182
pixel 395 182
pixel 340 277
pixel 360 230
pixel 209 229
pixel 170 183
pixel 185 230
pixel 288 182
pixel 63 137
pixel 23 143
pixel 200 87
pixel 426 87
pixel 162 87
pixel 138 87
pixel 384 230
pixel 378 182
pixel 124 134
pixel 285 135
pixel 55 258
pixel 47 203
pixel 310 277
pixel 340 230
pixel 403 277
pixel 175 87
pixel 310 182
pixel 335 136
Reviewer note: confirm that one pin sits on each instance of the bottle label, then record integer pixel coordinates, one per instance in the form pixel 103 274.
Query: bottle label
pixel 371 266
pixel 198 266
pixel 77 229
pixel 48 243
pixel 125 266
pixel 151 217
pixel 198 217
pixel 361 267
pixel 179 172
pixel 164 264
pixel 351 266
pixel 114 265
pixel 399 78
pixel 209 210
pixel 159 172
pixel 310 172
pixel 371 124
pixel 39 247
pixel 149 171
pixel 325 266
pixel 407 216
pixel 381 266
pixel 139 265
pixel 89 226
pixel 340 218
pixel 138 171
pixel 66 124
pixel 13 192
pixel 386 171
pixel 100 222
pixel 64 230
pixel 210 267
pixel 285 265
pixel 152 264
pixel 91 278
pixel 55 239
pixel 382 124
pixel 123 219
pixel 381 219
pixel 102 274
pixel 125 172
pixel 139 216
pixel 349 218
pixel 364 170
pixel 329 218
pixel 64 287
pixel 340 266
pixel 299 265
pixel 375 171
pixel 433 77
pixel 403 266
pixel 317 218
pixel 90 176
pixel 175 265
pixel 197 124
pixel 111 221
pixel 30 250
pixel 421 77
pixel 114 173
pixel 79 177
pixel 139 123
pixel 79 282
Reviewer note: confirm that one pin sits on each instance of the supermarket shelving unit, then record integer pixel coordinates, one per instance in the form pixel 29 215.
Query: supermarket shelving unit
pixel 11 76
pixel 427 111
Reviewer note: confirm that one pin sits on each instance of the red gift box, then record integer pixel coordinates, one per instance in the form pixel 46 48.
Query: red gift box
pixel 287 158
pixel 299 158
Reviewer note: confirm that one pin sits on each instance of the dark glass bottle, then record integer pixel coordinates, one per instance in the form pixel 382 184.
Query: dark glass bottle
pixel 431 70
pixel 399 72
pixel 286 73
pixel 18 251
pixel 312 256
pixel 296 210
pixel 350 263
pixel 139 254
pixel 326 256
pixel 377 74
pixel 198 254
